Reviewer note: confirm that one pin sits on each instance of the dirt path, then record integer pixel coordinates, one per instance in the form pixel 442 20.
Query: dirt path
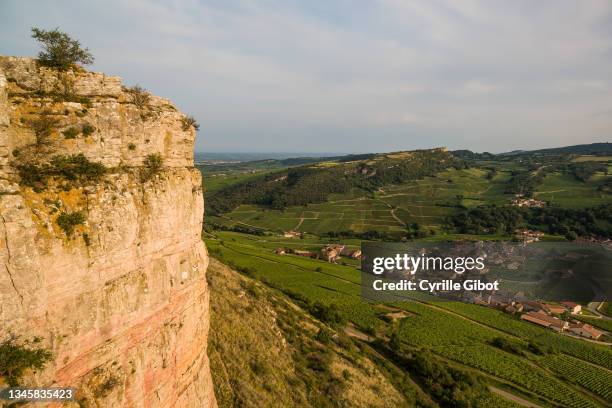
pixel 397 218
pixel 513 398
pixel 353 331
pixel 297 227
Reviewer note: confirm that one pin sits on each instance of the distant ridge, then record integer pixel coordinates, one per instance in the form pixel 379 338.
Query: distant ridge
pixel 601 149
pixel 597 149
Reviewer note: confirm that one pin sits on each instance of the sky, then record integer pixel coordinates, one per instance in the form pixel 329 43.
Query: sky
pixel 350 76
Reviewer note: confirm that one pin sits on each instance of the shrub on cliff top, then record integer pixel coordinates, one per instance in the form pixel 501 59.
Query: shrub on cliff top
pixel 67 221
pixel 15 359
pixel 189 121
pixel 139 96
pixel 60 50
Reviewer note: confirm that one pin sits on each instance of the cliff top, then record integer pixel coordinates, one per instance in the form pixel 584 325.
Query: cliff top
pixel 77 111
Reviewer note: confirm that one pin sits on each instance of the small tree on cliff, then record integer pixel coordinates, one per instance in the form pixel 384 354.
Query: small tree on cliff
pixel 60 50
pixel 15 359
pixel 152 165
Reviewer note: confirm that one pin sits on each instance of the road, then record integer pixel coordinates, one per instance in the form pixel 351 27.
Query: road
pixel 513 398
pixel 594 307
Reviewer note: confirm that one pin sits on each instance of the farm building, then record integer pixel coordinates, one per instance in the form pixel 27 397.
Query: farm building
pixel 528 235
pixel 351 253
pixel 585 330
pixel 332 252
pixel 532 306
pixel 528 202
pixel 306 254
pixel 556 309
pixel 511 309
pixel 544 320
pixel 292 234
pixel 572 307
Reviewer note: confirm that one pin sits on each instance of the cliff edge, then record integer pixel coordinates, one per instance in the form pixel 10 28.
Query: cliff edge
pixel 102 262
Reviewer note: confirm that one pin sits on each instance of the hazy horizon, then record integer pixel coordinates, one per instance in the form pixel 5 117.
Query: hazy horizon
pixel 360 76
pixel 306 153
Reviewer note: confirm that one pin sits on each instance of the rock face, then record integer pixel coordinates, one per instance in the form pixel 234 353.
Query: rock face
pixel 121 300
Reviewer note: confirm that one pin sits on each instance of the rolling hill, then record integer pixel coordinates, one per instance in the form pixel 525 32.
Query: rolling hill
pixel 421 194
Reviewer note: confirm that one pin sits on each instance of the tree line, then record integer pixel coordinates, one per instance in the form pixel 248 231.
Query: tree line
pixel 571 223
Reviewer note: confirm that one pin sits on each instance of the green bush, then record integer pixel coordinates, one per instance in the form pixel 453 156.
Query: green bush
pixel 131 146
pixel 87 129
pixel 319 361
pixel 85 101
pixel 153 164
pixel 67 221
pixel 74 167
pixel 71 133
pixel 506 345
pixel 328 314
pixel 189 121
pixel 60 50
pixel 139 96
pixel 15 359
pixel 324 336
pixel 43 127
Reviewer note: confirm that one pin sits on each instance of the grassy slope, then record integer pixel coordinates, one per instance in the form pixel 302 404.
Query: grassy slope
pixel 257 341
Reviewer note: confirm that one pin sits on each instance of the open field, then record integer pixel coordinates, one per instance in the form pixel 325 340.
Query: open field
pixel 460 333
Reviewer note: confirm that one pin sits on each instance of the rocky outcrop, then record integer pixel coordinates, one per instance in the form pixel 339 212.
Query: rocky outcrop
pixel 119 296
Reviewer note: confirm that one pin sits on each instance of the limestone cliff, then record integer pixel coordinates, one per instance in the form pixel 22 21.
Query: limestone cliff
pixel 117 294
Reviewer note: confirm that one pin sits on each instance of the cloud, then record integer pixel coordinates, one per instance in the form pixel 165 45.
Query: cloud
pixel 354 75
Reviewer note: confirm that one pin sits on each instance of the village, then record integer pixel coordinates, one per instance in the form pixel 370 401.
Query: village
pixel 521 201
pixel 330 253
pixel 543 314
pixel 556 317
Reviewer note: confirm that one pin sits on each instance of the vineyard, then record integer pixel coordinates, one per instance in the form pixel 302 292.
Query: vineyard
pixel 460 332
pixel 599 355
pixel 518 371
pixel 597 381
